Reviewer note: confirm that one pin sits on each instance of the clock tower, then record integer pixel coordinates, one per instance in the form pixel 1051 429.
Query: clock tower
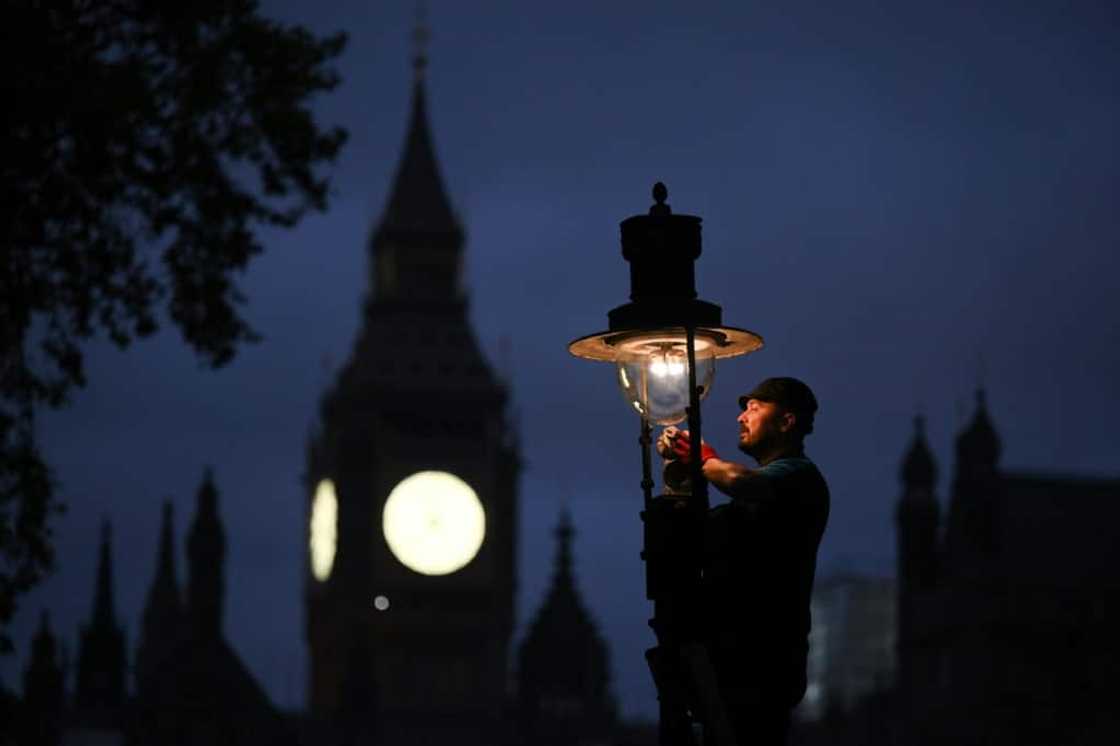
pixel 411 488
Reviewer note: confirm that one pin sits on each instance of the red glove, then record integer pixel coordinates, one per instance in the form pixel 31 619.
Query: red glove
pixel 682 449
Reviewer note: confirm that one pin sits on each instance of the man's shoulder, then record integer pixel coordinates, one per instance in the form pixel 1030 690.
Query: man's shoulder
pixel 796 474
pixel 789 466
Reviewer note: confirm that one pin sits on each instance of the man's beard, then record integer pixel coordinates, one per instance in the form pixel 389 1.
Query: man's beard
pixel 754 449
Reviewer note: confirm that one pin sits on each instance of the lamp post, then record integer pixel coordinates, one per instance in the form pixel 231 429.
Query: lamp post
pixel 664 344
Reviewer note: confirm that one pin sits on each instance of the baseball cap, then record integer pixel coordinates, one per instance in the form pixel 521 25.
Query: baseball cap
pixel 789 393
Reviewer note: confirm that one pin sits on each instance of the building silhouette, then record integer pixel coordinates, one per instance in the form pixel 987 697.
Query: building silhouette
pixel 401 654
pixel 1008 618
pixel 398 653
pixel 40 718
pixel 163 610
pixel 99 695
pixel 1008 607
pixel 188 687
pixel 563 679
pixel 191 686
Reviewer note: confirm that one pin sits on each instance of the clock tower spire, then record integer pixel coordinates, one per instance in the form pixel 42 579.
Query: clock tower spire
pixel 416 248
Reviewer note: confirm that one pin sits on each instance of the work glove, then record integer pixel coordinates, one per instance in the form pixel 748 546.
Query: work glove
pixel 674 444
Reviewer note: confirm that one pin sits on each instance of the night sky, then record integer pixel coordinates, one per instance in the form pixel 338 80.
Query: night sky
pixel 906 200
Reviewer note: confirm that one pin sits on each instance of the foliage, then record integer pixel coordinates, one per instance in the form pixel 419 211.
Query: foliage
pixel 142 142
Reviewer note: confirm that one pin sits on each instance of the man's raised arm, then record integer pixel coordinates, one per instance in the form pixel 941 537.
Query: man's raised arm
pixel 737 481
pixel 734 480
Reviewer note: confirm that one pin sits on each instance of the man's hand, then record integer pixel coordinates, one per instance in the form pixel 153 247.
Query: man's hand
pixel 665 442
pixel 674 444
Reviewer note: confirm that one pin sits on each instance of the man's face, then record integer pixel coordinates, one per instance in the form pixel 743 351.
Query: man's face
pixel 761 424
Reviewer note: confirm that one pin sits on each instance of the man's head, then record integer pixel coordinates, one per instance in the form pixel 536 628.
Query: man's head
pixel 777 415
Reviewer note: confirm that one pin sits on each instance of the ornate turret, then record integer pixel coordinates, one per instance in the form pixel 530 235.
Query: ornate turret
pixel 564 669
pixel 100 690
pixel 918 469
pixel 917 516
pixel 978 447
pixel 192 686
pixel 206 551
pixel 163 611
pixel 43 690
pixel 971 532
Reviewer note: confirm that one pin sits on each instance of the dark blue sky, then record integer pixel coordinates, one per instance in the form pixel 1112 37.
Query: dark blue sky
pixel 906 200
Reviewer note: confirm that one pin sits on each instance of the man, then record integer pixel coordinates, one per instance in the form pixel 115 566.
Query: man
pixel 761 552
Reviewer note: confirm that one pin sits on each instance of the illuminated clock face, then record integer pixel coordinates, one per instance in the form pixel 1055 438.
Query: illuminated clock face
pixel 433 522
pixel 323 529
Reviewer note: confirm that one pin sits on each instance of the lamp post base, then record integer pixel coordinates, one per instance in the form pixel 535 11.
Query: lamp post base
pixel 687 689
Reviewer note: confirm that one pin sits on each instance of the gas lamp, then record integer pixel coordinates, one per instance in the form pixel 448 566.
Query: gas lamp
pixel 648 339
pixel 664 344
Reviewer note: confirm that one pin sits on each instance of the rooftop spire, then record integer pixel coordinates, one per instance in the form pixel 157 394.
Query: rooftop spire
pixel 44 650
pixel 563 654
pixel 918 468
pixel 43 688
pixel 103 613
pixel 420 37
pixel 564 533
pixel 563 595
pixel 206 549
pixel 100 688
pixel 978 447
pixel 165 559
pixel 162 610
pixel 418 203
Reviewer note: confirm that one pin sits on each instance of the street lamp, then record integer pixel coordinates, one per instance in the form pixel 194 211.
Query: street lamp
pixel 664 344
pixel 648 337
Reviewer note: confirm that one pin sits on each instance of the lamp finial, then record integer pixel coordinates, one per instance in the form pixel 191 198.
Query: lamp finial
pixel 660 194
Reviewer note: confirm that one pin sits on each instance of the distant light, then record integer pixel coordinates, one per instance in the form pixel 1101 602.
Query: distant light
pixel 323 529
pixel 381 603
